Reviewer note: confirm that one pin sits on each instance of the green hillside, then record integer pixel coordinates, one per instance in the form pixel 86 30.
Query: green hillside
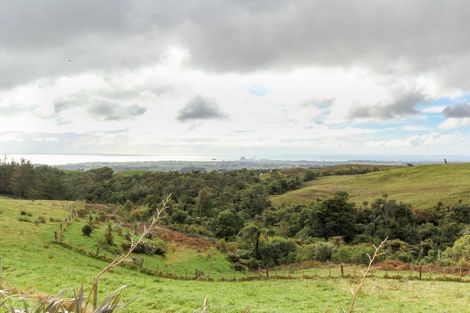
pixel 33 263
pixel 422 186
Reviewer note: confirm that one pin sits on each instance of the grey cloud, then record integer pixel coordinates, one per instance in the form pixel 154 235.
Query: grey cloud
pixel 234 36
pixel 64 105
pixel 200 108
pixel 457 111
pixel 106 109
pixel 115 112
pixel 404 105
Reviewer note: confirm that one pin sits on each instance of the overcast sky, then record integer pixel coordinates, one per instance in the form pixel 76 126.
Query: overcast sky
pixel 240 76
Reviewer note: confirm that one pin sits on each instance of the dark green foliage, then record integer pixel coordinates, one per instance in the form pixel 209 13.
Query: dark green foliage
pixel 108 235
pixel 87 230
pixel 25 213
pixel 333 217
pixel 22 179
pixel 320 251
pixel 227 224
pixel 310 175
pixel 356 254
pixel 277 251
pixel 146 247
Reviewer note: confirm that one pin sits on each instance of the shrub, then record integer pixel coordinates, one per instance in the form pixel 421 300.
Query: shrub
pixel 356 254
pixel 25 213
pixel 320 251
pixel 146 247
pixel 277 251
pixel 41 219
pixel 87 230
pixel 138 213
pixel 459 253
pixel 108 234
pixel 24 219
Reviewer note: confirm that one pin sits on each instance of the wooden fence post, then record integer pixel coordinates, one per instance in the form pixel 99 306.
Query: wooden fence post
pixel 342 270
pixel 420 271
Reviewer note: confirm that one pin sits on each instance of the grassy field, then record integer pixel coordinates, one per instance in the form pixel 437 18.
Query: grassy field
pixel 179 260
pixel 36 265
pixel 422 186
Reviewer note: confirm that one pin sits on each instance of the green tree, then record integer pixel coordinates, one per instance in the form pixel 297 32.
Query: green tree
pixel 334 217
pixel 22 179
pixel 227 224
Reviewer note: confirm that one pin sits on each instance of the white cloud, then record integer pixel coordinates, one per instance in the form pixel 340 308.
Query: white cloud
pixel 453 123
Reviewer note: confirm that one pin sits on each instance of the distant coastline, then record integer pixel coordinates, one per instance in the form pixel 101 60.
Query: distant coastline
pixel 167 162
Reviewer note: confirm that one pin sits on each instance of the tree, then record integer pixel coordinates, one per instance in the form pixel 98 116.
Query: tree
pixel 459 253
pixel 108 234
pixel 334 217
pixel 252 233
pixel 204 202
pixel 22 179
pixel 227 224
pixel 277 250
pixel 254 200
pixel 309 175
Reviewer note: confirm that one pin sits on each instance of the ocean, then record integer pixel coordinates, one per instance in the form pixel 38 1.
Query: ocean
pixel 59 159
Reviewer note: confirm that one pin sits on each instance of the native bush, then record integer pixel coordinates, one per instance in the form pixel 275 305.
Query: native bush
pixel 24 219
pixel 357 254
pixel 25 213
pixel 146 247
pixel 319 251
pixel 87 230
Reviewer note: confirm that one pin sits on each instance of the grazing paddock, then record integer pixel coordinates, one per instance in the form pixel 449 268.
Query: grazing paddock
pixel 421 186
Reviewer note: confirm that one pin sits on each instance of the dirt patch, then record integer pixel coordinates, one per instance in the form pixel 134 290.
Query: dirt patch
pixel 193 242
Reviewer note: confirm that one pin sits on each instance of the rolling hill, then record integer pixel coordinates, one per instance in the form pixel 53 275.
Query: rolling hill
pixel 422 186
pixel 35 265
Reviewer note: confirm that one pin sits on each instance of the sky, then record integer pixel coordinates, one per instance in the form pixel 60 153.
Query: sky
pixel 249 77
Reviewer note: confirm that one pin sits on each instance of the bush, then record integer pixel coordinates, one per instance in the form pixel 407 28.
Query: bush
pixel 356 254
pixel 25 213
pixel 459 253
pixel 320 251
pixel 277 251
pixel 87 230
pixel 146 247
pixel 108 234
pixel 41 219
pixel 24 219
pixel 138 214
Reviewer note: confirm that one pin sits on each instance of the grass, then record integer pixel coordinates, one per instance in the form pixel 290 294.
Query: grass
pixel 34 264
pixel 422 186
pixel 179 260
